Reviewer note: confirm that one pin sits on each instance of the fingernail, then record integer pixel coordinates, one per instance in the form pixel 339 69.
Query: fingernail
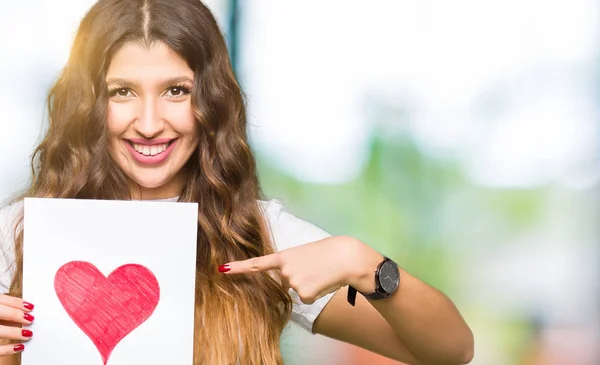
pixel 224 268
pixel 19 347
pixel 26 333
pixel 28 317
pixel 28 305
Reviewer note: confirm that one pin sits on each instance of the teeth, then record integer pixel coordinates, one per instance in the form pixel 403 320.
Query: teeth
pixel 150 150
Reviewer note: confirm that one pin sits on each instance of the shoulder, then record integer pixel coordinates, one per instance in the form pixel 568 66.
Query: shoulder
pixel 9 216
pixel 286 229
pixel 12 210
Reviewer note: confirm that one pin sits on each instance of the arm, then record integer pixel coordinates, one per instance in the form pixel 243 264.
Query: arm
pixel 12 309
pixel 416 325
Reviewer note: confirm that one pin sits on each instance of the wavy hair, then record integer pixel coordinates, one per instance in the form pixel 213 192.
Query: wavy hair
pixel 237 318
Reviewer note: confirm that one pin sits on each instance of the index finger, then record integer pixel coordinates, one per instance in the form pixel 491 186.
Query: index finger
pixel 255 264
pixel 15 302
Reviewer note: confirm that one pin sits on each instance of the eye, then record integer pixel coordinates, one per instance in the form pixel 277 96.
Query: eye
pixel 122 92
pixel 178 91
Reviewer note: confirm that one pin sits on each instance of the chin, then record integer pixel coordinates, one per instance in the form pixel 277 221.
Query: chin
pixel 151 181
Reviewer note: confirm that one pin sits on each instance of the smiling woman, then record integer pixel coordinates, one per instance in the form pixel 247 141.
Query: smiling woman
pixel 148 107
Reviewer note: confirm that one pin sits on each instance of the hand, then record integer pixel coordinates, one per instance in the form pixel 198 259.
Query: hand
pixel 14 312
pixel 318 268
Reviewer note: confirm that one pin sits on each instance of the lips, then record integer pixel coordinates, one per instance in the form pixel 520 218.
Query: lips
pixel 150 152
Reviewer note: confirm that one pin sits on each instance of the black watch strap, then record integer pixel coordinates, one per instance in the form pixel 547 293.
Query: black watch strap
pixel 351 296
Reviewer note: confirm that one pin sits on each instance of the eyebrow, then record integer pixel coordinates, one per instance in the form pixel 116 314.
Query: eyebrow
pixel 133 84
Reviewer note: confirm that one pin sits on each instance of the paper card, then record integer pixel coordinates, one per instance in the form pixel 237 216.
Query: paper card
pixel 113 282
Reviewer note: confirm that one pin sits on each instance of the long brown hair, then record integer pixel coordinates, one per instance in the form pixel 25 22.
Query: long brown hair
pixel 238 318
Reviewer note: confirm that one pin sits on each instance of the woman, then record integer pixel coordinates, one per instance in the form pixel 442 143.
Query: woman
pixel 147 107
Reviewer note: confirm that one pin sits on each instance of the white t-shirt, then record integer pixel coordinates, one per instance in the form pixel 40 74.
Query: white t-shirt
pixel 286 229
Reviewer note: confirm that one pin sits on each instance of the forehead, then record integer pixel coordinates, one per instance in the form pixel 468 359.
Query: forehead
pixel 137 61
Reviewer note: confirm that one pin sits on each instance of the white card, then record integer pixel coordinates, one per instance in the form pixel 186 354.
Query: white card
pixel 142 313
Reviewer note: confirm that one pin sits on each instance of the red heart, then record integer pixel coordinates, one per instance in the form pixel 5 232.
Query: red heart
pixel 106 309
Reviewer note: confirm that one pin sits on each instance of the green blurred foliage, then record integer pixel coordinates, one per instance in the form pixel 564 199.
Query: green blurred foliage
pixel 423 212
pixel 412 207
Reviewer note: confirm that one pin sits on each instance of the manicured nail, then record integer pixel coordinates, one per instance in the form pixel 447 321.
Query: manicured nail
pixel 28 306
pixel 28 317
pixel 19 348
pixel 26 333
pixel 224 268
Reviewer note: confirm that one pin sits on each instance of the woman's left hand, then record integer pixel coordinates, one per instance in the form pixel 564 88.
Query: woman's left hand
pixel 315 269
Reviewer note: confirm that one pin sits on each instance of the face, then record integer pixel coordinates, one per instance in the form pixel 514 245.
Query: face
pixel 152 129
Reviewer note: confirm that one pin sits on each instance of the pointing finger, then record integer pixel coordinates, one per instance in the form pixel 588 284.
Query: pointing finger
pixel 256 264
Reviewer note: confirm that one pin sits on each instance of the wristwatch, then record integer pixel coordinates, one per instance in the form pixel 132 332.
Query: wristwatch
pixel 387 280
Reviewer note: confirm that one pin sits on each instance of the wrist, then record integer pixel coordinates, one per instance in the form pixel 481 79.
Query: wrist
pixel 363 267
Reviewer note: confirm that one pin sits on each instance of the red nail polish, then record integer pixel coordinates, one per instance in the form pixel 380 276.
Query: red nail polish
pixel 26 333
pixel 224 268
pixel 28 317
pixel 19 348
pixel 28 306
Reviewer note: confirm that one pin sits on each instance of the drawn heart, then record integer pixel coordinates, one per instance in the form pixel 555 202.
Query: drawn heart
pixel 106 309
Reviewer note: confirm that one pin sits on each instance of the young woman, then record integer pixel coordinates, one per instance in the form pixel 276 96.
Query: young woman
pixel 147 107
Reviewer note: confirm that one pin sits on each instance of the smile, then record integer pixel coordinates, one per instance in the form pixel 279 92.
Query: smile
pixel 150 152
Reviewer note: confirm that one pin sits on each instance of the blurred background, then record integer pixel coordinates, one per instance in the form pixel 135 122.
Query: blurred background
pixel 460 138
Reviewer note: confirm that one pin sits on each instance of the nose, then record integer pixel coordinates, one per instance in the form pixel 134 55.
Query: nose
pixel 149 123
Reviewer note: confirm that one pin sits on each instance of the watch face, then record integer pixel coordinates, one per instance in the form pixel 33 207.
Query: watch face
pixel 389 276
